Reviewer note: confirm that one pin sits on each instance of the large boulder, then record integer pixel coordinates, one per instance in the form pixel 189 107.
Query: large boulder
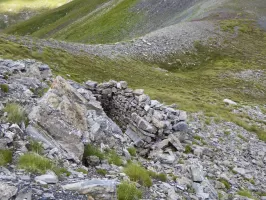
pixel 62 114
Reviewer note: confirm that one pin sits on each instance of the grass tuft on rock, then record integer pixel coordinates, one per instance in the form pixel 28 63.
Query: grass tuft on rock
pixel 245 193
pixel 132 151
pixel 102 172
pixel 15 113
pixel 91 150
pixel 36 147
pixel 138 174
pixel 35 163
pixel 4 88
pixel 113 158
pixel 226 183
pixel 161 176
pixel 5 156
pixel 128 191
pixel 188 149
pixel 82 170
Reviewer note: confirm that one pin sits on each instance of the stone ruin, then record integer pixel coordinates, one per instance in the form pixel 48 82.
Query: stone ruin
pixel 144 121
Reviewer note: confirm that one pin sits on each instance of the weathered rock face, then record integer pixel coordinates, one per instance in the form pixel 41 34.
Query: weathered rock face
pixel 62 114
pixel 144 120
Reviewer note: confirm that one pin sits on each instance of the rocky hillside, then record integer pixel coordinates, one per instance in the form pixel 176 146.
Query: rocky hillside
pixel 59 140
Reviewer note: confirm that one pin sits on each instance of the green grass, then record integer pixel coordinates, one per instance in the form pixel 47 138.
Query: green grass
pixel 35 163
pixel 132 151
pixel 60 171
pixel 226 183
pixel 188 149
pixel 54 20
pixel 242 137
pixel 113 158
pixel 70 22
pixel 161 176
pixel 5 156
pixel 19 5
pixel 15 113
pixel 91 150
pixel 128 191
pixel 36 147
pixel 112 26
pixel 102 172
pixel 245 193
pixel 227 132
pixel 82 170
pixel 4 88
pixel 138 174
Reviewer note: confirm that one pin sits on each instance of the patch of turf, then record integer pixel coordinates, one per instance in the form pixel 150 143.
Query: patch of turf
pixel 15 113
pixel 5 156
pixel 128 191
pixel 138 174
pixel 35 163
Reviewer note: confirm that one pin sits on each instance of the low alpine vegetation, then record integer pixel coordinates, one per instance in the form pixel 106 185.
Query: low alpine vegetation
pixel 5 157
pixel 128 191
pixel 138 174
pixel 15 113
pixel 102 172
pixel 4 88
pixel 132 151
pixel 36 147
pixel 35 163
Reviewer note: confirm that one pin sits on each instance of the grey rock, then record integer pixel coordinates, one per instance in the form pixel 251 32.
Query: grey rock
pixel 138 92
pixel 63 106
pixel 48 195
pixel 91 84
pixel 197 174
pixel 49 178
pixel 93 160
pixel 98 189
pixel 181 126
pixel 240 171
pixel 7 191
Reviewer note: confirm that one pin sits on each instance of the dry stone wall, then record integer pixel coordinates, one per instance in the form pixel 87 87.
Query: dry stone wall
pixel 144 120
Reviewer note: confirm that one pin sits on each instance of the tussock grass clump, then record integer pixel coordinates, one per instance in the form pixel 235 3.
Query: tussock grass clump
pixel 59 171
pixel 35 163
pixel 226 183
pixel 188 149
pixel 128 191
pixel 114 158
pixel 132 151
pixel 160 176
pixel 15 113
pixel 102 172
pixel 36 147
pixel 5 156
pixel 245 193
pixel 4 87
pixel 82 170
pixel 91 150
pixel 138 174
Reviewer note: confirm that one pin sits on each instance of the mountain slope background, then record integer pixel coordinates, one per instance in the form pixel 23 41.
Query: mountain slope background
pixel 192 53
pixel 15 11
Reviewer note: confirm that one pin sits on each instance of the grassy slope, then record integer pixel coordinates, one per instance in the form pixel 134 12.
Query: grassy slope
pixel 55 19
pixel 201 85
pixel 17 5
pixel 112 26
pixel 64 22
